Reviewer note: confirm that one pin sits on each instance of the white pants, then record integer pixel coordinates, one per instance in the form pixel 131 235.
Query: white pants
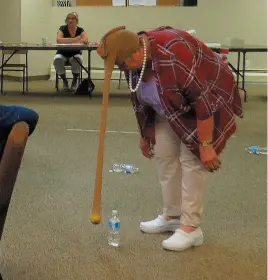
pixel 182 176
pixel 60 62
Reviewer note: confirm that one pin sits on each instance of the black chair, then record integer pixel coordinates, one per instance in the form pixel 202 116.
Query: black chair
pixel 68 67
pixel 15 67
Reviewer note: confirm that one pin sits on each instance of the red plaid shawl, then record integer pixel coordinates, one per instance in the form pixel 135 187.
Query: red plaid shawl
pixel 193 83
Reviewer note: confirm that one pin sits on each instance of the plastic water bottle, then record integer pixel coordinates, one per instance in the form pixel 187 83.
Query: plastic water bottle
pixel 114 229
pixel 117 168
pixel 130 168
pixel 124 168
pixel 257 150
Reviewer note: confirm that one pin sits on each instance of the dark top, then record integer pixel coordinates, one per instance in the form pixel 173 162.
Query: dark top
pixel 66 34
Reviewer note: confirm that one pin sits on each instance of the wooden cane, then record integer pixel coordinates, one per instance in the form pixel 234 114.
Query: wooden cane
pixel 96 209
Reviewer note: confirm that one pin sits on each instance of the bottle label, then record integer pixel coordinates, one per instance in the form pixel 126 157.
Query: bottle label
pixel 114 225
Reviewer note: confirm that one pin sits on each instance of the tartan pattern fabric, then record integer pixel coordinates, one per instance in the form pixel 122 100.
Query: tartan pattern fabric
pixel 193 83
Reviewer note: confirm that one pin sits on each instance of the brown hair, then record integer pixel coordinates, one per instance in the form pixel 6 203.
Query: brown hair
pixel 73 14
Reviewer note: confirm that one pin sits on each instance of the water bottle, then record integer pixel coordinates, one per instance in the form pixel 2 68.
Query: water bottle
pixel 130 169
pixel 44 41
pixel 117 168
pixel 124 168
pixel 114 229
pixel 257 150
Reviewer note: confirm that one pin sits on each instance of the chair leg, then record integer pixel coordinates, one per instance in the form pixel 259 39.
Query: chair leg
pixel 23 81
pixel 2 82
pixel 119 81
pixel 27 74
pixel 2 75
pixel 57 82
pixel 9 167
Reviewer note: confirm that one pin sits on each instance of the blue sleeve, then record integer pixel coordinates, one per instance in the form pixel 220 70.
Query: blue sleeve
pixel 10 115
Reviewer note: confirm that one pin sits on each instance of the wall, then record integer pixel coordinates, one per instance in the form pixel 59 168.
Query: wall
pixel 214 21
pixel 10 30
pixel 35 24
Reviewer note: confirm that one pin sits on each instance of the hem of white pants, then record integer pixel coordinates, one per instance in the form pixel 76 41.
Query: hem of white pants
pixel 188 223
pixel 171 213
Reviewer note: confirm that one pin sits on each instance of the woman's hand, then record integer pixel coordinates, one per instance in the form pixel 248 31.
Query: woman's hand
pixel 209 158
pixel 146 147
pixel 77 39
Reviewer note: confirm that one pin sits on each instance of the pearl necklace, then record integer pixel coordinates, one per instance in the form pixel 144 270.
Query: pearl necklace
pixel 142 70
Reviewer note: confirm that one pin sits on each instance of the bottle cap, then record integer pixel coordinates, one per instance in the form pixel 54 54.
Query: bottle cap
pixel 254 149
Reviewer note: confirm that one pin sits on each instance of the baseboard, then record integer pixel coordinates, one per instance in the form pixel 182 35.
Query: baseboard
pixel 30 78
pixel 251 77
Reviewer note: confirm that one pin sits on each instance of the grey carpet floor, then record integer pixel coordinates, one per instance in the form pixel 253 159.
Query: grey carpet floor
pixel 48 235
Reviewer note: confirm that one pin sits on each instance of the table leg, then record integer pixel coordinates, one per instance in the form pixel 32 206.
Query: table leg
pixel 89 67
pixel 238 67
pixel 86 69
pixel 80 64
pixel 243 74
pixel 6 61
pixel 27 75
pixel 2 71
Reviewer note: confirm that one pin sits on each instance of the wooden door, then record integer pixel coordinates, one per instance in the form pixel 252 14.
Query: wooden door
pixel 94 2
pixel 168 2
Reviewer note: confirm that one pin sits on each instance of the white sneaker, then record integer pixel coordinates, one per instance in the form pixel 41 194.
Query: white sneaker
pixel 160 224
pixel 182 240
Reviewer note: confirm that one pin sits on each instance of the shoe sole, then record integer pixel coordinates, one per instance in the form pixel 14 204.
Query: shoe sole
pixel 170 228
pixel 171 248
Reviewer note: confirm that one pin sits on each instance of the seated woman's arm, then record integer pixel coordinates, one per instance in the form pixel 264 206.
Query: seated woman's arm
pixel 61 39
pixel 84 37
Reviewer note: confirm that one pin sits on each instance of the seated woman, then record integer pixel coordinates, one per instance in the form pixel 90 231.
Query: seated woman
pixel 70 33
